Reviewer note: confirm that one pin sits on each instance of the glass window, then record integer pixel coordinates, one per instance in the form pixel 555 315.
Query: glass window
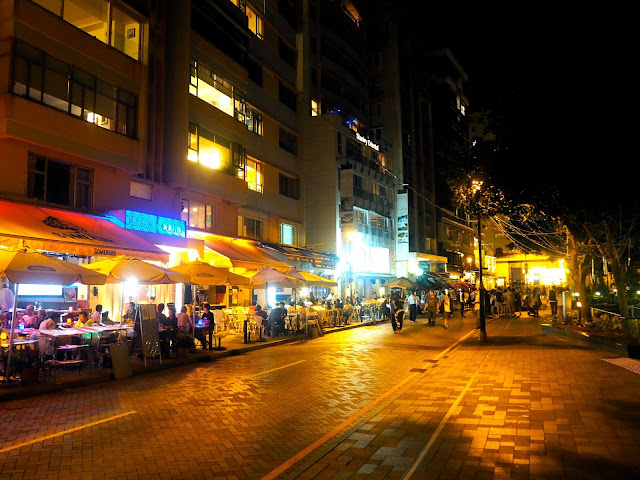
pixel 255 22
pixel 197 215
pixel 249 227
pixel 289 186
pixel 253 120
pixel 59 183
pixel 216 91
pixel 314 108
pixel 288 141
pixel 125 33
pixel 90 16
pixel 288 234
pixel 253 175
pixel 215 152
pixel 52 82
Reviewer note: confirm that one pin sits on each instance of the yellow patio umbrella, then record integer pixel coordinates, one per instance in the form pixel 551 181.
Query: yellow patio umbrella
pixel 203 273
pixel 120 269
pixel 270 276
pixel 311 279
pixel 21 265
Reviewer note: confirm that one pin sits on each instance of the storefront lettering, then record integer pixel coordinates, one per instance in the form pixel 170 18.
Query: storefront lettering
pixel 104 252
pixel 74 231
pixel 367 142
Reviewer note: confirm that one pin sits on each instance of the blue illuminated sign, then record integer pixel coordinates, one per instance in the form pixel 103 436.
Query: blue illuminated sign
pixel 145 222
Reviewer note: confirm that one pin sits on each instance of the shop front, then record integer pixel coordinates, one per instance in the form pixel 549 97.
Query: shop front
pixel 77 237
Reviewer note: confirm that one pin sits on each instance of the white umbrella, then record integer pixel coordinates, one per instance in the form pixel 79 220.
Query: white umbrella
pixel 24 266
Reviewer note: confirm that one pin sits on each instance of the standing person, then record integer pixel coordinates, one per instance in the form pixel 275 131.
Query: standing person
pixel 6 298
pixel 517 302
pixel 432 308
pixel 553 300
pixel 510 301
pixel 446 308
pixel 413 307
pixel 472 300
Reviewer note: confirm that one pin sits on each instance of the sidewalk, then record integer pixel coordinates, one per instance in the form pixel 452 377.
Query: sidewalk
pixel 233 344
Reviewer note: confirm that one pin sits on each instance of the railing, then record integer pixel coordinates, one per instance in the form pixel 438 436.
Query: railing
pixel 634 311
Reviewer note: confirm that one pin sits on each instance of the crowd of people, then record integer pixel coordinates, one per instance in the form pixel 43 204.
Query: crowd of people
pixel 511 301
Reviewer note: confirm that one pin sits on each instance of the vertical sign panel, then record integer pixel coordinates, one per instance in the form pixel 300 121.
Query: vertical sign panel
pixel 402 234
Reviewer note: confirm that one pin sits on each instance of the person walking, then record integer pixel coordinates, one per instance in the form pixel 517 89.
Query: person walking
pixel 446 308
pixel 553 300
pixel 432 308
pixel 397 313
pixel 413 307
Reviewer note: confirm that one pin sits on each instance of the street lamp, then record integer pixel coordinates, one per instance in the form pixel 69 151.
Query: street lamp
pixel 476 185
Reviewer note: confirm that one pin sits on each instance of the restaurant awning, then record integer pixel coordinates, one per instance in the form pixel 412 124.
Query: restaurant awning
pixel 303 255
pixel 62 231
pixel 240 253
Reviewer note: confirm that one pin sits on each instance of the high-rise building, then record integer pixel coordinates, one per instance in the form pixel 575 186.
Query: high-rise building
pixel 349 184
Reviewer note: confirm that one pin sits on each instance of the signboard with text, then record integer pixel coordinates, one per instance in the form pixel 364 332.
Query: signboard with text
pixel 402 233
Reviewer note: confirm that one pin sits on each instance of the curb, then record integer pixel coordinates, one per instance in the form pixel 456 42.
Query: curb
pixel 628 350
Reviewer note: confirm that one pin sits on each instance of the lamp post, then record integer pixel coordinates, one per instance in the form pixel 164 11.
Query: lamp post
pixel 476 185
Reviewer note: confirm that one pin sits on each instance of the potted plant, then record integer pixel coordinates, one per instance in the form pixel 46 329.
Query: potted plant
pixel 184 343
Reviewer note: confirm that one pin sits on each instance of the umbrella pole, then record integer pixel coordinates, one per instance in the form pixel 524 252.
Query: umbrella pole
pixel 193 310
pixel 14 318
pixel 121 301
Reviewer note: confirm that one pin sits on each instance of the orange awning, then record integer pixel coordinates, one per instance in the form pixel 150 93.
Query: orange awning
pixel 241 253
pixel 62 231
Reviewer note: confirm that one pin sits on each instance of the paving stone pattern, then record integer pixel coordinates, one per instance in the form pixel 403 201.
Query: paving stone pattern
pixel 526 406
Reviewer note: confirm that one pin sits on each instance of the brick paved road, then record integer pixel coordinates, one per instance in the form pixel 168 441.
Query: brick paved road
pixel 375 405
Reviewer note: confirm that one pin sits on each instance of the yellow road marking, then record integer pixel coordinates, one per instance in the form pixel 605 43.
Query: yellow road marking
pixel 327 436
pixel 275 369
pixel 65 432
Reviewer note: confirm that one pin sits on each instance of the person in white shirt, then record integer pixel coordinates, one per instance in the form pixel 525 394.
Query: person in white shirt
pixel 413 308
pixel 6 298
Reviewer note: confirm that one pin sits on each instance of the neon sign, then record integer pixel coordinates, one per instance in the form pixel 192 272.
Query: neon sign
pixel 145 222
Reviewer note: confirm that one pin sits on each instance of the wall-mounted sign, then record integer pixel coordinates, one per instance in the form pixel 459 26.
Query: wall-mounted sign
pixel 367 142
pixel 145 222
pixel 402 234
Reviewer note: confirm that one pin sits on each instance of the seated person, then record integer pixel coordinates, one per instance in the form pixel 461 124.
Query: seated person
pixel 276 320
pixel 41 316
pixel 207 314
pixel 184 321
pixel 29 317
pixel 131 311
pixel 160 316
pixel 83 320
pixel 172 320
pixel 96 317
pixel 105 320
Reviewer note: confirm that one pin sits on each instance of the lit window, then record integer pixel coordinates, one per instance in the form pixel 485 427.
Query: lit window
pixel 458 103
pixel 463 109
pixel 216 91
pixel 211 150
pixel 314 108
pixel 288 234
pixel 92 17
pixel 253 175
pixel 255 22
pixel 197 215
pixel 253 119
